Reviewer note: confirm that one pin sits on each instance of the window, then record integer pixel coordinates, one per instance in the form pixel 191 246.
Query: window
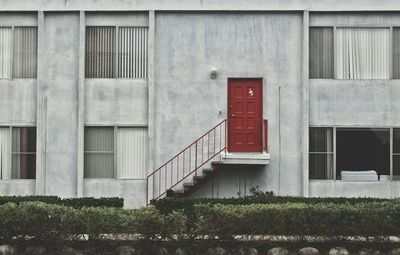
pixel 99 152
pixel 18 153
pixel 363 149
pixel 396 53
pixel 321 52
pixel 334 150
pixel 115 152
pixel 396 154
pixel 361 53
pixel 102 44
pixel 321 153
pixel 18 52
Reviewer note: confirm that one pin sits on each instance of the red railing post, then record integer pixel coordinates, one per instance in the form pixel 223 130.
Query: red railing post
pixel 266 135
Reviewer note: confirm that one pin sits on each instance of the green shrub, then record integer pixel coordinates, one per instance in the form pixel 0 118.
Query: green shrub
pixel 326 219
pixel 170 204
pixel 52 223
pixel 72 202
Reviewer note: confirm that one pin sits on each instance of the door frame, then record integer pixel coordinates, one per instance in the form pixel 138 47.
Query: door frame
pixel 261 80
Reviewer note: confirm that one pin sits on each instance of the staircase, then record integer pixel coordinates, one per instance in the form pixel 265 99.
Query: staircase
pixel 195 165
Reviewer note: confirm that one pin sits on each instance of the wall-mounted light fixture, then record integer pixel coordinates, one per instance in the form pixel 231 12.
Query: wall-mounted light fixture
pixel 213 73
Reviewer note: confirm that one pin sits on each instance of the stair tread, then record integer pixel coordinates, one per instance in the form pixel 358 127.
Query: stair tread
pixel 188 184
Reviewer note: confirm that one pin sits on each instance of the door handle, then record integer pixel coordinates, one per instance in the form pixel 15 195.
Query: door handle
pixel 233 115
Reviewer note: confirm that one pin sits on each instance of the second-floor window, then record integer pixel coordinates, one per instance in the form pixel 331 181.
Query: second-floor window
pixel 350 53
pixel 116 52
pixel 18 52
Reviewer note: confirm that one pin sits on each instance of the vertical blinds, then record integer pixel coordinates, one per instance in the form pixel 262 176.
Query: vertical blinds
pixel 102 45
pixel 25 52
pixel 100 52
pixel 396 52
pixel 132 52
pixel 5 153
pixel 321 153
pixel 321 52
pixel 99 152
pixel 363 53
pixel 5 52
pixel 131 153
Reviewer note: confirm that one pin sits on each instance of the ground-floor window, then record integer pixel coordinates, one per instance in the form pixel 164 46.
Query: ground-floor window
pixel 115 152
pixel 364 154
pixel 17 152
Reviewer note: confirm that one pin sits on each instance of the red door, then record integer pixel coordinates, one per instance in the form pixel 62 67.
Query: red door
pixel 244 115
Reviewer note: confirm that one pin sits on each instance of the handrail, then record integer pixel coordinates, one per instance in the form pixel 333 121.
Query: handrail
pixel 191 158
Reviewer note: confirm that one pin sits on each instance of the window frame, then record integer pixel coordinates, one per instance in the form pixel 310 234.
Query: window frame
pixel 391 52
pixel 12 50
pixel 115 165
pixel 333 153
pixel 392 153
pixel 116 52
pixel 10 131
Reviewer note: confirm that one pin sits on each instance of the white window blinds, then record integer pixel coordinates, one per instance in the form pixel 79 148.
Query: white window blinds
pixel 363 53
pixel 131 153
pixel 5 153
pixel 25 52
pixel 132 52
pixel 5 52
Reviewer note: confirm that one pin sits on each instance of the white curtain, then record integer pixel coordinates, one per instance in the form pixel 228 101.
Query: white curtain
pixel 131 153
pixel 5 52
pixel 99 152
pixel 5 154
pixel 363 53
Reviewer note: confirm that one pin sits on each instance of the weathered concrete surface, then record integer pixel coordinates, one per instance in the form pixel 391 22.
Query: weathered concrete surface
pixel 133 191
pixel 257 5
pixel 267 45
pixel 61 86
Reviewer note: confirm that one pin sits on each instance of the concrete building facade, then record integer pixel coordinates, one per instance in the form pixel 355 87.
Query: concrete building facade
pixel 108 91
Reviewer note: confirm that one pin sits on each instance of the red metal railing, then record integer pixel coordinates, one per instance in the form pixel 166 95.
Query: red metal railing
pixel 186 163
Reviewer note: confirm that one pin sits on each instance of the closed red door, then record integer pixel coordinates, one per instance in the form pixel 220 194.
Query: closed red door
pixel 245 115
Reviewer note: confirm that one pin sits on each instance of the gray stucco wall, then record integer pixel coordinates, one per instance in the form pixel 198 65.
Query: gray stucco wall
pixel 61 86
pixel 188 102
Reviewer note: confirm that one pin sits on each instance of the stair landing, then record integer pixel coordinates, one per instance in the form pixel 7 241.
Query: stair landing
pixel 245 158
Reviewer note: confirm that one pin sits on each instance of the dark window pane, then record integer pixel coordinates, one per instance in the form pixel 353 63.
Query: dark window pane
pixel 24 139
pixel 396 140
pixel 100 52
pixel 321 166
pixel 396 52
pixel 396 167
pixel 321 52
pixel 363 150
pixel 23 166
pixel 321 140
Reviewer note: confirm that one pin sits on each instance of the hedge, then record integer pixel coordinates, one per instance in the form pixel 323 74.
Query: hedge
pixel 296 219
pixel 72 202
pixel 170 204
pixel 51 223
